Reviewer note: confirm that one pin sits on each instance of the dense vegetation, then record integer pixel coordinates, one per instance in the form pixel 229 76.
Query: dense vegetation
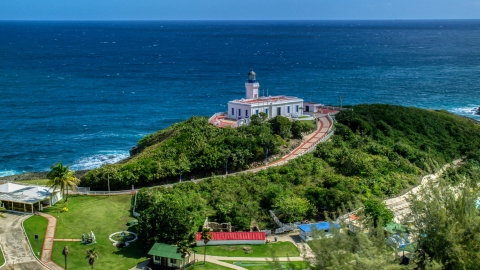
pixel 196 148
pixel 376 152
pixel 446 223
pixel 445 216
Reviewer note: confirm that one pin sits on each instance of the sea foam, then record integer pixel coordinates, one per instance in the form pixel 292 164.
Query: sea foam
pixel 9 172
pixel 97 160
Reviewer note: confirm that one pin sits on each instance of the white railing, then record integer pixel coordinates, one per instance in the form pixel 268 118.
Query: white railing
pixel 324 138
pixel 118 192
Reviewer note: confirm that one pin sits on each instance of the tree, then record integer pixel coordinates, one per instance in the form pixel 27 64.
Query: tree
pixel 293 208
pixel 2 209
pixel 378 212
pixel 206 236
pixel 171 218
pixel 91 256
pixel 65 253
pixel 263 116
pixel 282 126
pixel 349 250
pixel 298 127
pixel 445 218
pixel 184 249
pixel 62 177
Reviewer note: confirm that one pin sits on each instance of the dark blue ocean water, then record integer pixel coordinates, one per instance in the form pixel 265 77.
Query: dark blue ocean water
pixel 86 92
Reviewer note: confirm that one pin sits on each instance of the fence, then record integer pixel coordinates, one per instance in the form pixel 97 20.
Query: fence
pixel 102 193
pixel 324 138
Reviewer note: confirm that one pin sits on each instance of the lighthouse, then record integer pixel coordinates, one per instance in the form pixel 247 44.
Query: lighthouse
pixel 242 109
pixel 251 86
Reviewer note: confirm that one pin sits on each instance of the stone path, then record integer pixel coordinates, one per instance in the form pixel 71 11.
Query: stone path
pixel 400 206
pixel 48 242
pixel 16 249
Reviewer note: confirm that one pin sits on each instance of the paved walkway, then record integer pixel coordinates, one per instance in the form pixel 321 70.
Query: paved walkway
pixel 48 242
pixel 16 249
pixel 323 127
pixel 400 206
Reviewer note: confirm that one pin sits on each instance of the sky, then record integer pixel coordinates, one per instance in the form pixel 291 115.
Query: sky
pixel 238 9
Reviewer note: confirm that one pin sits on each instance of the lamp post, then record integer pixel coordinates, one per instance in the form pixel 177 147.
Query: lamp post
pixel 65 253
pixel 36 238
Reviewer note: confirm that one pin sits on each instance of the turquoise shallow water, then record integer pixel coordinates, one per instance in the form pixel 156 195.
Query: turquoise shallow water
pixel 86 92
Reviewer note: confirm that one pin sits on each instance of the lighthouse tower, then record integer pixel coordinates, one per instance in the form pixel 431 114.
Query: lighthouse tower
pixel 251 86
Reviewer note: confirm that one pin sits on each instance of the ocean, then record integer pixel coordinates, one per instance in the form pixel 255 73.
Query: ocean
pixel 85 92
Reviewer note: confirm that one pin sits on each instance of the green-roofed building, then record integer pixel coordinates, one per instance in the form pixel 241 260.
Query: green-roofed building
pixel 167 255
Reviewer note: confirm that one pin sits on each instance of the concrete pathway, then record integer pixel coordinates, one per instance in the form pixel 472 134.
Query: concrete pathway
pixel 16 249
pixel 400 206
pixel 48 242
pixel 323 126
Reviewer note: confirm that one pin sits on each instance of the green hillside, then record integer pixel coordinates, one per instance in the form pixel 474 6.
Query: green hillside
pixel 377 151
pixel 198 149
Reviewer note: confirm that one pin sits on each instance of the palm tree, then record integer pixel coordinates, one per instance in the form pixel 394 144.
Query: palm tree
pixel 91 256
pixel 183 248
pixel 62 177
pixel 65 253
pixel 206 236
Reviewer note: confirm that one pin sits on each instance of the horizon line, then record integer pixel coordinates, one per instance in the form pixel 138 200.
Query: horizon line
pixel 234 20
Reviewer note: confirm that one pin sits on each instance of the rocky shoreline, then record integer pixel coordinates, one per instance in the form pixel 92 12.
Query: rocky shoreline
pixel 37 175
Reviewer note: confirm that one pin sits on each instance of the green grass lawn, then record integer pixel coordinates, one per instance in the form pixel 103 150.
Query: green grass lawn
pixel 2 259
pixel 39 182
pixel 280 249
pixel 104 216
pixel 311 124
pixel 269 265
pixel 207 266
pixel 36 225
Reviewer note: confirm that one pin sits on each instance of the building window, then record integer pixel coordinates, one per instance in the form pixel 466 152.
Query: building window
pixel 246 113
pixel 157 258
pixel 288 109
pixel 239 112
pixel 279 110
pixel 174 261
pixel 256 111
pixel 233 111
pixel 266 111
pixel 296 108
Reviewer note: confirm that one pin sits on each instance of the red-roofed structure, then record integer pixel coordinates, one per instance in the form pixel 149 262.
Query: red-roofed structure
pixel 233 238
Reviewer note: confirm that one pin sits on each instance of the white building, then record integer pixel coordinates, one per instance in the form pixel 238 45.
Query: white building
pixel 28 199
pixel 254 104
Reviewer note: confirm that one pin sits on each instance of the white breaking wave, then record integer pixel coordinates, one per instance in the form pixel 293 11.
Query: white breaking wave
pixel 97 160
pixel 471 111
pixel 9 172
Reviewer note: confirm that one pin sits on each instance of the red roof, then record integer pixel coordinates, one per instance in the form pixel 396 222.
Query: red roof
pixel 225 236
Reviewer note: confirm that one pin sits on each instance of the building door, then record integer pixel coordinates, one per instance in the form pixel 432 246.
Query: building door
pixel 307 108
pixel 279 110
pixel 164 261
